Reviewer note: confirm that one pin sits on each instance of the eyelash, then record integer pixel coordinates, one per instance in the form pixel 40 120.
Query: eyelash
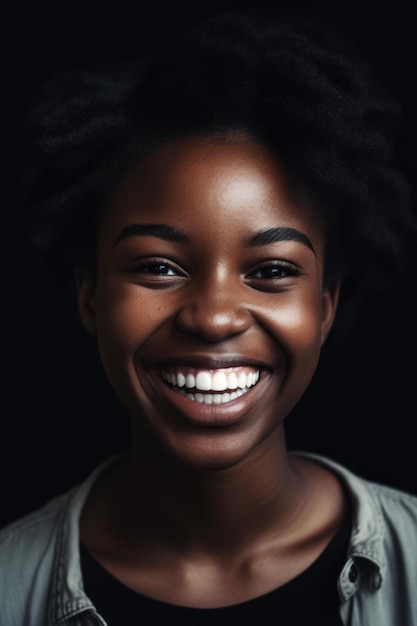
pixel 285 269
pixel 272 270
pixel 151 267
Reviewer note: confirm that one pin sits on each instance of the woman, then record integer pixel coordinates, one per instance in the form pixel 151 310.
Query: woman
pixel 217 202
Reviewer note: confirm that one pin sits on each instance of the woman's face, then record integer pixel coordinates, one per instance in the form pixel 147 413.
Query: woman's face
pixel 208 305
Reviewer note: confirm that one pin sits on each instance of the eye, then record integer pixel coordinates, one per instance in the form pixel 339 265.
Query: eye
pixel 274 270
pixel 156 272
pixel 155 267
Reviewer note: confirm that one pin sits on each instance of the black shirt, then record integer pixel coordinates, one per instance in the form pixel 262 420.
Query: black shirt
pixel 310 598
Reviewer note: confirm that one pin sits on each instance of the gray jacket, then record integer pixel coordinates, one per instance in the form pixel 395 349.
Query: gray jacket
pixel 41 582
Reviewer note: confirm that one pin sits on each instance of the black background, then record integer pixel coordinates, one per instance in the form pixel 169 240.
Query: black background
pixel 59 419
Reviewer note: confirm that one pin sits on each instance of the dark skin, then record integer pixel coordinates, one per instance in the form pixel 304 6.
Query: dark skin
pixel 210 262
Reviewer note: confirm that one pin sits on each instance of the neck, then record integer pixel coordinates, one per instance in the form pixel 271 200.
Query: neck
pixel 209 510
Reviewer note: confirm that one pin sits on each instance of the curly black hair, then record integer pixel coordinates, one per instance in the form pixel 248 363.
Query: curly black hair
pixel 293 84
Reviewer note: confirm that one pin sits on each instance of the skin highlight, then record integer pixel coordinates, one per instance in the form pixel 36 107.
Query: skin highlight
pixel 208 258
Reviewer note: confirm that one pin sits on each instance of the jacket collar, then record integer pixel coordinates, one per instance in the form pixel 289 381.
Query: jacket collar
pixel 67 595
pixel 366 545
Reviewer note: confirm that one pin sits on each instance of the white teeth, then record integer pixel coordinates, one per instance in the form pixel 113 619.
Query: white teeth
pixel 190 381
pixel 234 382
pixel 203 381
pixel 213 398
pixel 219 381
pixel 242 380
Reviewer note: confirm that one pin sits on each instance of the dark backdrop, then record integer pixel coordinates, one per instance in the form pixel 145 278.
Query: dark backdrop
pixel 59 419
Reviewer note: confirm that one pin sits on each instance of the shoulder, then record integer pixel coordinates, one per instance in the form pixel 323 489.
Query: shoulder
pixel 30 540
pixel 28 549
pixel 398 511
pixel 378 581
pixel 31 534
pixel 388 496
pixel 33 529
pixel 40 571
pixel 391 510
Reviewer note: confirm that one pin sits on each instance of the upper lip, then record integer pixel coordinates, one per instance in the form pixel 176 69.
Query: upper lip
pixel 210 362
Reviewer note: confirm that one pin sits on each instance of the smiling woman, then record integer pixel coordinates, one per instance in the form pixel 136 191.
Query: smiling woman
pixel 242 289
pixel 217 202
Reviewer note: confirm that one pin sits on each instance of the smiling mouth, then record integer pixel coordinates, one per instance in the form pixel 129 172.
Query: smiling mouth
pixel 211 386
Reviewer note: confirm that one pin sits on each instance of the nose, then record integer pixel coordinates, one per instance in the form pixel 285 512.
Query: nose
pixel 214 312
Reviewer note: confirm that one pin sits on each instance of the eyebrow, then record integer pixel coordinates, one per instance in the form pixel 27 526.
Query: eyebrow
pixel 281 233
pixel 162 231
pixel 169 233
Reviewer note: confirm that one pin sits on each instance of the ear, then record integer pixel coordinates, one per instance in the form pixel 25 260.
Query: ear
pixel 330 299
pixel 85 286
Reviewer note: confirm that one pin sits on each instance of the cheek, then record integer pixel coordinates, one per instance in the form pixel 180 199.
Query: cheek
pixel 296 328
pixel 124 322
pixel 294 320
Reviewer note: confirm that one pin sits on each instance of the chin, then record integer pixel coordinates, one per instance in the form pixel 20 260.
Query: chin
pixel 205 450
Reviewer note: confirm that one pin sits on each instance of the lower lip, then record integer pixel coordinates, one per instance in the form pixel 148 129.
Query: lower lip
pixel 214 415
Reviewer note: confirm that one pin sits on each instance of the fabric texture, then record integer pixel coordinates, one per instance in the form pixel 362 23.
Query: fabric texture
pixel 41 580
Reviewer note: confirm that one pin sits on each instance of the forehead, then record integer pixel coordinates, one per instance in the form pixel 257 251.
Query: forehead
pixel 232 180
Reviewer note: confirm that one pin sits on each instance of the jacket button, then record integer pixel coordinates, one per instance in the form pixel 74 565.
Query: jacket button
pixel 353 573
pixel 377 581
